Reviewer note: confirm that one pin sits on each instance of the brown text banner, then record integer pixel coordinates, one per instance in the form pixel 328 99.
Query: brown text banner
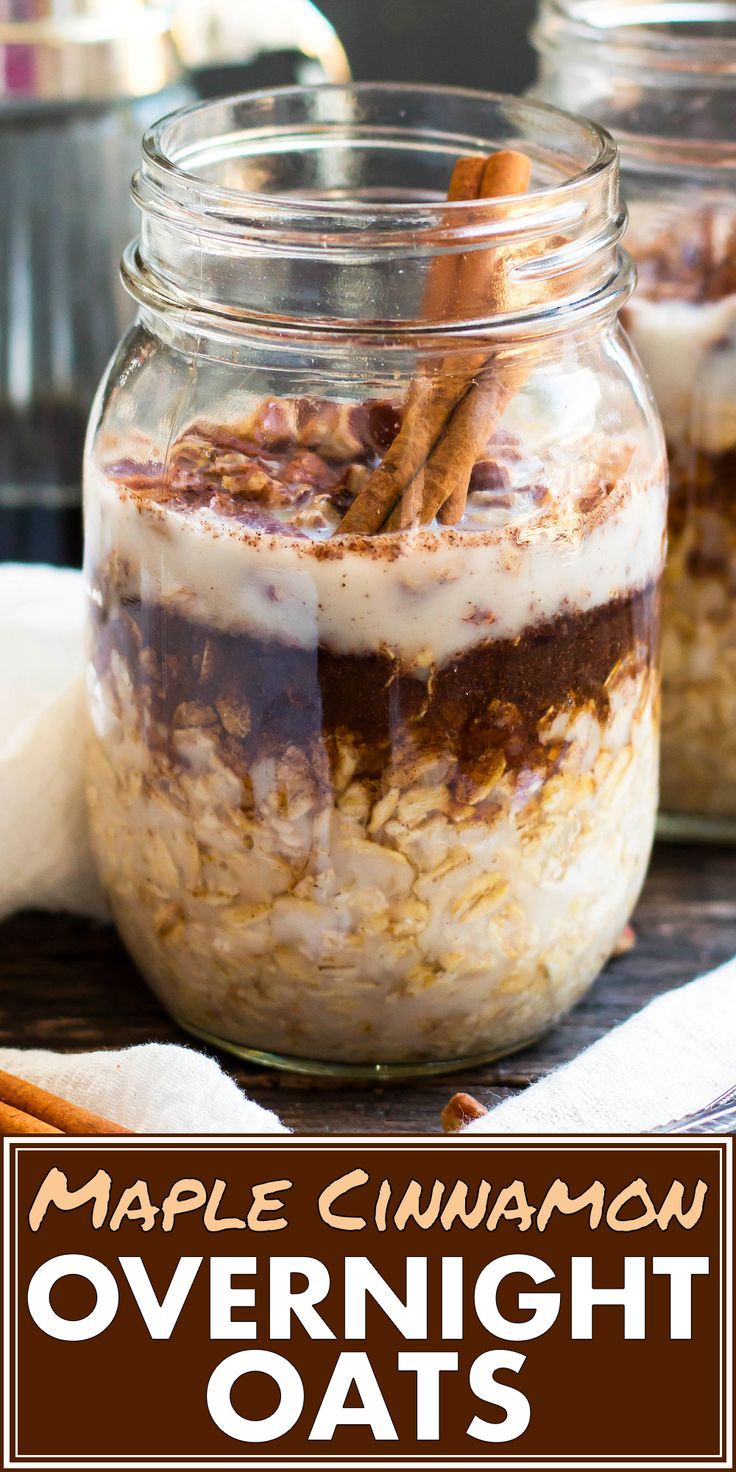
pixel 321 1302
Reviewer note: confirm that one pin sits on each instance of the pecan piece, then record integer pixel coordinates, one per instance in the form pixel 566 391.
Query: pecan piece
pixel 461 1110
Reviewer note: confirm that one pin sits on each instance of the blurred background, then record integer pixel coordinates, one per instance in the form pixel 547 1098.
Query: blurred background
pixel 463 43
pixel 80 80
pixel 469 43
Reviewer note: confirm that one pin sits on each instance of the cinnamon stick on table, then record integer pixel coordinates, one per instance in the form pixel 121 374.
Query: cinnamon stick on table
pixel 420 473
pixel 17 1122
pixel 26 1109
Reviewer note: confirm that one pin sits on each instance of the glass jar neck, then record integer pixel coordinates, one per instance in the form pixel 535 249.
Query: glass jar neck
pixel 323 211
pixel 661 74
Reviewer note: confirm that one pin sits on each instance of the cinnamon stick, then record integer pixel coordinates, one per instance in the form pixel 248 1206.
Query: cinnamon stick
pixel 480 282
pixel 17 1122
pixel 470 427
pixel 429 401
pixel 441 486
pixel 21 1101
pixel 428 408
pixel 465 180
pixel 403 488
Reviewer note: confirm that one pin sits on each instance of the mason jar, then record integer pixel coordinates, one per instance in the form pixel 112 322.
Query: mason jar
pixel 375 518
pixel 667 90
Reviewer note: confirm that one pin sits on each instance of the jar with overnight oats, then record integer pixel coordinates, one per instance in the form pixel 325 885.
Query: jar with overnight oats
pixel 375 521
pixel 665 84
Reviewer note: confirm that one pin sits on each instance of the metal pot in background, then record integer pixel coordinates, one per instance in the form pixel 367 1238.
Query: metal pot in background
pixel 80 80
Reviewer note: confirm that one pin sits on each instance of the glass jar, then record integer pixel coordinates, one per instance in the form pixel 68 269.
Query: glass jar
pixel 663 79
pixel 373 796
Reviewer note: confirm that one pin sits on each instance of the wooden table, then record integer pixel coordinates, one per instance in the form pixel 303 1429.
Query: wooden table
pixel 67 984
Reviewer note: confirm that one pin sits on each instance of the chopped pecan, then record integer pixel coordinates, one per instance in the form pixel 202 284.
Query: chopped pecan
pixel 461 1110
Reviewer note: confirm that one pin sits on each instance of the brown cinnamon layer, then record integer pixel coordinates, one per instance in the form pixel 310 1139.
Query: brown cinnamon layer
pixel 263 697
pixel 702 505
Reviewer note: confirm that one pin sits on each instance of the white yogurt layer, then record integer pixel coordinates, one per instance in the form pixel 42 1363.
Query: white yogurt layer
pixel 689 352
pixel 426 596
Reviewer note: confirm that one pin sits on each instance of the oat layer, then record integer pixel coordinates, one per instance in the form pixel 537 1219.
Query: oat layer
pixel 303 906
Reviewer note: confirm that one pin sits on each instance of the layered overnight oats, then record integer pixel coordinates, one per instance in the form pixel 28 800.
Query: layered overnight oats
pixel 683 323
pixel 372 797
pixel 374 591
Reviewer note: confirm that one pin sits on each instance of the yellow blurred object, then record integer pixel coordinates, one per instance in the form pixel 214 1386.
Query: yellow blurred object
pixel 69 50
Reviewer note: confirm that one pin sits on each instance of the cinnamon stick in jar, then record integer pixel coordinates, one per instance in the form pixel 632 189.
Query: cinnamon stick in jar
pixel 469 430
pixel 395 496
pixel 429 402
pixel 441 487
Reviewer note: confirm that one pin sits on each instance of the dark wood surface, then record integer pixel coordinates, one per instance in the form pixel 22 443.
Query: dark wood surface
pixel 67 984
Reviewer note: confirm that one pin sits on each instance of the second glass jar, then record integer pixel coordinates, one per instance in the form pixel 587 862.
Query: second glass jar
pixel 666 87
pixel 375 510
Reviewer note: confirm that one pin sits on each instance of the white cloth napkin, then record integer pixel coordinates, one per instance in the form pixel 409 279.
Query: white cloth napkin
pixel 674 1057
pixel 45 858
pixel 154 1088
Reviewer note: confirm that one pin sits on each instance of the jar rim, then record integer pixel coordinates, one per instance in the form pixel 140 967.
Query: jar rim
pixel 677 35
pixel 664 47
pixel 358 178
pixel 163 163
